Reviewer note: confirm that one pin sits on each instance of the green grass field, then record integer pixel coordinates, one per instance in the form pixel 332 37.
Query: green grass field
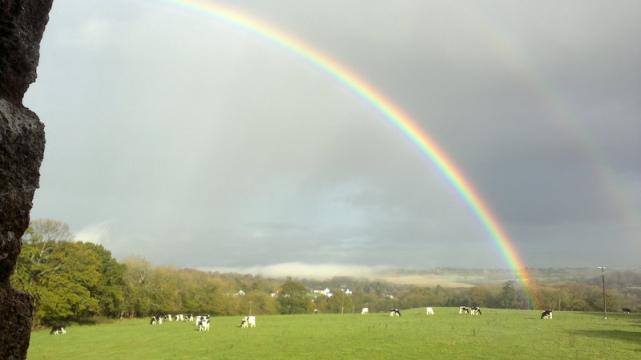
pixel 497 334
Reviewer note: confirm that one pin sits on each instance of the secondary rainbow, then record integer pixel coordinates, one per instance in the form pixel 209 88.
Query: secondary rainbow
pixel 393 113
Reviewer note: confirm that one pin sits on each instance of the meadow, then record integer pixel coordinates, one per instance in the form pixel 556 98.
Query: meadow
pixel 497 334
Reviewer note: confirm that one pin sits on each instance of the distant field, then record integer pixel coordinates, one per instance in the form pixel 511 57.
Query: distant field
pixel 497 334
pixel 447 281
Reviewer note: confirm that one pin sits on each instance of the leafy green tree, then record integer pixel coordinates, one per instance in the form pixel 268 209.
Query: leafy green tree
pixel 68 280
pixel 59 274
pixel 138 286
pixel 340 303
pixel 508 295
pixel 110 290
pixel 257 302
pixel 40 240
pixel 294 298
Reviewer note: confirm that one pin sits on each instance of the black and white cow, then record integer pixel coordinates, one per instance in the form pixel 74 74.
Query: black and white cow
pixel 546 314
pixel 475 310
pixel 58 330
pixel 203 323
pixel 395 312
pixel 156 320
pixel 201 317
pixel 626 311
pixel 248 322
pixel 464 310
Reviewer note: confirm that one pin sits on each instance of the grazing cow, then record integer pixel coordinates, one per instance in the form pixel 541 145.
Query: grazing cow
pixel 190 317
pixel 475 311
pixel 201 317
pixel 168 317
pixel 58 330
pixel 395 312
pixel 626 311
pixel 203 323
pixel 546 314
pixel 365 311
pixel 180 317
pixel 463 310
pixel 248 322
pixel 429 311
pixel 156 320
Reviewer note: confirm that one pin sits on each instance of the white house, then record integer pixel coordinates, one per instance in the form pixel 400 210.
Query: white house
pixel 325 292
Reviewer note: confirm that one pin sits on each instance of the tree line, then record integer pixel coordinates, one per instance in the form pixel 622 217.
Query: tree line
pixel 77 281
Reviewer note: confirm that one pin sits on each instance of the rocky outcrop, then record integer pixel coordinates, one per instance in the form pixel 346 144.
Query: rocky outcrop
pixel 16 309
pixel 22 142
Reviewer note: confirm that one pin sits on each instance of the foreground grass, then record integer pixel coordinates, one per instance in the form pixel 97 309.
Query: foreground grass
pixel 497 334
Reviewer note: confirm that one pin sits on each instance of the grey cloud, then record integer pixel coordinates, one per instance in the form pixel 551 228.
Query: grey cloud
pixel 200 144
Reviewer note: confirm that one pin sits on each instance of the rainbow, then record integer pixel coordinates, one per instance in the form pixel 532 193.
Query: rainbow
pixel 392 112
pixel 516 58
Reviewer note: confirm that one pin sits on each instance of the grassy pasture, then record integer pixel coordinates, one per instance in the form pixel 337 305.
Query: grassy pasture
pixel 497 334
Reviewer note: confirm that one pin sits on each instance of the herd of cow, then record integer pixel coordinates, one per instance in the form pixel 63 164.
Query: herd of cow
pixel 473 310
pixel 203 321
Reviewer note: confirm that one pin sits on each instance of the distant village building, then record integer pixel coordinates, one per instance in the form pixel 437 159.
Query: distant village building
pixel 326 292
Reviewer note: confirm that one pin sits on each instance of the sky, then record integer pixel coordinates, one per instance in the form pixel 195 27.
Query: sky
pixel 177 136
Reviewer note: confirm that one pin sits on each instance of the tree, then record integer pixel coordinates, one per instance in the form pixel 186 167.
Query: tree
pixel 294 298
pixel 110 290
pixel 46 230
pixel 340 303
pixel 137 279
pixel 257 302
pixel 40 267
pixel 508 295
pixel 66 280
pixel 39 241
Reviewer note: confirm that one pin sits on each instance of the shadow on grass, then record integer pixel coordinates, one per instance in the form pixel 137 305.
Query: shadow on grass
pixel 612 314
pixel 629 336
pixel 632 319
pixel 91 321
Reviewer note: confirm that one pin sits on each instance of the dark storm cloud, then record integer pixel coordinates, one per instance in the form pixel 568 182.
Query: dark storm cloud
pixel 176 136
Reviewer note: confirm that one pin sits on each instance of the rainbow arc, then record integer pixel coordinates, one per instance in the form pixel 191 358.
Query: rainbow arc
pixel 393 113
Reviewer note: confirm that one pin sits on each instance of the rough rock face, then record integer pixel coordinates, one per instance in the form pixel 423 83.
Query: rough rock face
pixel 22 23
pixel 15 327
pixel 22 142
